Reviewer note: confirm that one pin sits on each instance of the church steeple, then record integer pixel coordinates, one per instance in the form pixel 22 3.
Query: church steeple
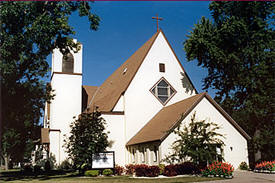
pixel 67 64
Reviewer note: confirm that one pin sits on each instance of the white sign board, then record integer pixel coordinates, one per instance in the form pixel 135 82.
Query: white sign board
pixel 103 160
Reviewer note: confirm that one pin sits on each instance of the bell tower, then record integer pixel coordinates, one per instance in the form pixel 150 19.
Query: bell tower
pixel 66 82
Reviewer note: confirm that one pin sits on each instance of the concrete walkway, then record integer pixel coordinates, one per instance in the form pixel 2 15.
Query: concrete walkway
pixel 248 177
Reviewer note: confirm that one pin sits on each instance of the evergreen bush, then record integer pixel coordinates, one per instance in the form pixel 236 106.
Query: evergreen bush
pixel 107 172
pixel 92 173
pixel 243 166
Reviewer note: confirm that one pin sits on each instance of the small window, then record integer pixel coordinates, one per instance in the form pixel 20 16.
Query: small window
pixel 161 67
pixel 155 158
pixel 163 91
pixel 143 155
pixel 133 155
pixel 68 63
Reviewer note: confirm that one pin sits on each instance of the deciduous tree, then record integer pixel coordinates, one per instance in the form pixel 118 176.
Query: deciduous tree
pixel 237 47
pixel 29 32
pixel 198 141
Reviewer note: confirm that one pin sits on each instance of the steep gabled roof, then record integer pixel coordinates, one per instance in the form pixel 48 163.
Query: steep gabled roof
pixel 110 91
pixel 160 126
pixel 108 94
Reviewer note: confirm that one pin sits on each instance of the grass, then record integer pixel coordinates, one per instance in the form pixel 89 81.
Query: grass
pixel 62 177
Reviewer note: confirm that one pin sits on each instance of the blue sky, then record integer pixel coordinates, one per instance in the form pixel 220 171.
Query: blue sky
pixel 125 26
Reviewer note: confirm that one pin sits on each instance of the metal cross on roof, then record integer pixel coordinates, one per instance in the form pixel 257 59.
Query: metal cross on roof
pixel 157 19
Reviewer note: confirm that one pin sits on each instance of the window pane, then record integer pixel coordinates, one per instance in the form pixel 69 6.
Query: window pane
pixel 162 83
pixel 68 63
pixel 171 91
pixel 162 91
pixel 161 67
pixel 163 98
pixel 154 90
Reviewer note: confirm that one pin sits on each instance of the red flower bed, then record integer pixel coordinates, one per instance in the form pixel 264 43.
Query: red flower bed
pixel 218 168
pixel 266 165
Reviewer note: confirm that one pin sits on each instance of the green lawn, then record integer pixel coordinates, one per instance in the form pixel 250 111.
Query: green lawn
pixel 17 176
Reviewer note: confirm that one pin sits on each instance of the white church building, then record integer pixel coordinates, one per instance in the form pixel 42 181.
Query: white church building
pixel 142 101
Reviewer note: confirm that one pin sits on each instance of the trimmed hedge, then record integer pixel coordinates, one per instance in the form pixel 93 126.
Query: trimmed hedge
pixel 153 171
pixel 92 173
pixel 170 170
pixel 143 170
pixel 146 171
pixel 107 172
pixel 181 169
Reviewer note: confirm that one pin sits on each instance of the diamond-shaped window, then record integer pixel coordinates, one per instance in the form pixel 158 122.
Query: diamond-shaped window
pixel 163 91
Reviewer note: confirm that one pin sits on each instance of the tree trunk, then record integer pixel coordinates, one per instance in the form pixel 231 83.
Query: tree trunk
pixel 6 160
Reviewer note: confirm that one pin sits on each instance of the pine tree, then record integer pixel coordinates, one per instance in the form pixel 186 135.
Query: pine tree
pixel 87 138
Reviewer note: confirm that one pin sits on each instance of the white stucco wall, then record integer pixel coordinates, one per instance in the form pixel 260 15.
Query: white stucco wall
pixel 140 104
pixel 205 110
pixel 115 125
pixel 120 104
pixel 66 104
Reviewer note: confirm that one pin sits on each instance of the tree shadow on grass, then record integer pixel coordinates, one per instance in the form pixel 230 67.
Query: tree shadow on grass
pixel 28 176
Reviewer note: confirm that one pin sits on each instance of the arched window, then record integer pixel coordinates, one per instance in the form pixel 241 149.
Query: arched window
pixel 68 63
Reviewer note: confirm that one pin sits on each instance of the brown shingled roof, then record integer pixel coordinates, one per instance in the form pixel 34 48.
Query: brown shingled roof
pixel 87 94
pixel 158 128
pixel 110 91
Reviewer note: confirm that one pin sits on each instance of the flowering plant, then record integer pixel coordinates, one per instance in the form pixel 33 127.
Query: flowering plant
pixel 218 168
pixel 266 165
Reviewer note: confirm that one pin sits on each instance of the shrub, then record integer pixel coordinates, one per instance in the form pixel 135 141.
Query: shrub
pixel 243 166
pixel 119 170
pixel 186 168
pixel 130 169
pixel 170 170
pixel 141 170
pixel 65 165
pixel 152 171
pixel 107 172
pixel 27 168
pixel 47 166
pixel 161 169
pixel 92 173
pixel 146 171
pixel 218 168
pixel 37 169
